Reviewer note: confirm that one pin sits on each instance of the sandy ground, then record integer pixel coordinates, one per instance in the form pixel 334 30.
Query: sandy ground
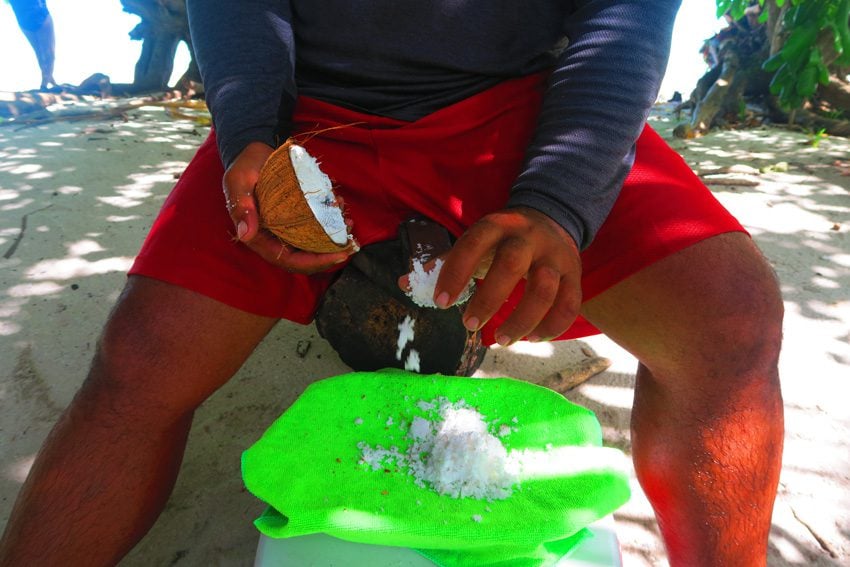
pixel 77 198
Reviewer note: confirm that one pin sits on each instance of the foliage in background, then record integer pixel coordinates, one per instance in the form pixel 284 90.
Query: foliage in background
pixel 814 42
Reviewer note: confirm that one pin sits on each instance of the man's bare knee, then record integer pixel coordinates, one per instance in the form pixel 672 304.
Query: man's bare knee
pixel 720 313
pixel 745 336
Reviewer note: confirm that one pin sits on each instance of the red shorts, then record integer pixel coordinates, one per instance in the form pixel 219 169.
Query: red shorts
pixel 453 166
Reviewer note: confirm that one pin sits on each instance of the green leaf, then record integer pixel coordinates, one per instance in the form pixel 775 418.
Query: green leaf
pixel 807 82
pixel 823 74
pixel 844 51
pixel 843 36
pixel 799 40
pixel 723 7
pixel 738 8
pixel 773 63
pixel 780 80
pixel 815 57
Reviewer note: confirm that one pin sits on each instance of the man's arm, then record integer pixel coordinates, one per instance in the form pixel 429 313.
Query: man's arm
pixel 246 55
pixel 245 52
pixel 594 110
pixel 600 94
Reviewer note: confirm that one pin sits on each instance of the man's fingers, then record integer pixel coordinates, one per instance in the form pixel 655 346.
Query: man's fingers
pixel 245 217
pixel 302 262
pixel 269 248
pixel 291 259
pixel 510 264
pixel 515 244
pixel 472 250
pixel 238 184
pixel 563 313
pixel 541 291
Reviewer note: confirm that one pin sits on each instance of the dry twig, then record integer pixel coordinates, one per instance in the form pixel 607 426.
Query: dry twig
pixel 576 374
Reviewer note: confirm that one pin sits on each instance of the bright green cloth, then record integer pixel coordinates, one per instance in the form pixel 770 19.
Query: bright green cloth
pixel 307 468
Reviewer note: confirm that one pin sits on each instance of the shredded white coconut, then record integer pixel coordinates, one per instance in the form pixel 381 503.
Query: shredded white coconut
pixel 455 454
pixel 420 429
pixel 317 189
pixel 412 362
pixel 423 284
pixel 405 335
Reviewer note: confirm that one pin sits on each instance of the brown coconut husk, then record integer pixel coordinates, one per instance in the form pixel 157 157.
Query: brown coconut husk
pixel 283 209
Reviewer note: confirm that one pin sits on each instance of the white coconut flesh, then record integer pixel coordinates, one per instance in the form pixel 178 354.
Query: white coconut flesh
pixel 405 337
pixel 318 192
pixel 423 284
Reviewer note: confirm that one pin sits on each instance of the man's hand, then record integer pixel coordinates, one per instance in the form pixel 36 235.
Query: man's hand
pixel 507 246
pixel 239 181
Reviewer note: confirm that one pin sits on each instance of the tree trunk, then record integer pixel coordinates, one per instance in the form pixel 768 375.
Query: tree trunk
pixel 164 25
pixel 775 15
pixel 156 62
pixel 721 95
pixel 724 92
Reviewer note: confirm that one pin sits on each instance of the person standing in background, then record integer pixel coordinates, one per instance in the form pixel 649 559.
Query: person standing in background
pixel 35 21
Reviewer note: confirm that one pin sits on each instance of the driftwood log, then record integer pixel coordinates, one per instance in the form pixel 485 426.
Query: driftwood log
pixel 577 373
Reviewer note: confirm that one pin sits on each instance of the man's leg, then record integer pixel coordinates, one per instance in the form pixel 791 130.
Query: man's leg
pixel 36 23
pixel 109 465
pixel 707 422
pixel 43 41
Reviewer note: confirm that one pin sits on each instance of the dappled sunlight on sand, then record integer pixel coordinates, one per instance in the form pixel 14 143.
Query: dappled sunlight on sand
pixel 19 469
pixel 68 190
pixel 17 205
pixel 613 396
pixel 542 349
pixel 76 200
pixel 65 189
pixel 68 268
pixel 143 184
pixel 34 289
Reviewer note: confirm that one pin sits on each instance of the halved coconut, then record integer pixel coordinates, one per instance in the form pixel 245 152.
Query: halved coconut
pixel 297 203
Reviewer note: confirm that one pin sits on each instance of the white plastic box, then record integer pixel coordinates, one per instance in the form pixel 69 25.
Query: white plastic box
pixel 320 550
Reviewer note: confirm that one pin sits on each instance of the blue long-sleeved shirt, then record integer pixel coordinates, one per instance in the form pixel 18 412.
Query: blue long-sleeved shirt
pixel 407 58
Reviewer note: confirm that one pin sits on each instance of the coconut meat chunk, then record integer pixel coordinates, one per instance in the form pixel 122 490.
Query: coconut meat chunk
pixel 318 192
